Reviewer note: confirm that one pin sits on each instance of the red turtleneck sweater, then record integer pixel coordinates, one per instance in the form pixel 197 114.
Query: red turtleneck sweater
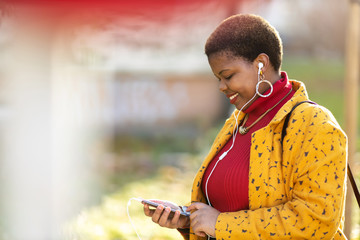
pixel 229 183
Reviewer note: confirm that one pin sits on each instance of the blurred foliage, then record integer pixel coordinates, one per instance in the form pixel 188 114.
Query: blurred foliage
pixel 132 158
pixel 109 220
pixel 323 79
pixel 164 166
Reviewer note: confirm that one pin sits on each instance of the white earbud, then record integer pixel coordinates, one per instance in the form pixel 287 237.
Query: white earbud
pixel 260 65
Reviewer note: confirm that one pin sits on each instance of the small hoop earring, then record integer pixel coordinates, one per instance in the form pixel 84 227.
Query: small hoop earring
pixel 261 75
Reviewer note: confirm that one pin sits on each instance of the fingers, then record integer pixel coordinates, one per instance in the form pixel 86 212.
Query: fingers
pixel 197 228
pixel 203 219
pixel 168 218
pixel 148 212
pixel 196 206
pixel 157 214
pixel 200 234
pixel 164 217
pixel 175 218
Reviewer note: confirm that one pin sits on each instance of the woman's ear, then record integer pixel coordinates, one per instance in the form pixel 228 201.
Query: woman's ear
pixel 262 62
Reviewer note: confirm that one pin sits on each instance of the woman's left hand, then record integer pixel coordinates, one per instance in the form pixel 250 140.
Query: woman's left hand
pixel 203 219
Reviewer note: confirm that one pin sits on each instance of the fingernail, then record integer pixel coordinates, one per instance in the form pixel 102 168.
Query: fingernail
pixel 167 209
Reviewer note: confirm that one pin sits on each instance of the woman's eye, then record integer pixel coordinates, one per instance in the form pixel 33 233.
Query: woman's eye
pixel 228 77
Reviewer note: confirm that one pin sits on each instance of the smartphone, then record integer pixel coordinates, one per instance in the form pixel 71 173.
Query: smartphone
pixel 155 205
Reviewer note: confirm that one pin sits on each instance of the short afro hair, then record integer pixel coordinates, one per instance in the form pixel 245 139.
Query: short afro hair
pixel 247 36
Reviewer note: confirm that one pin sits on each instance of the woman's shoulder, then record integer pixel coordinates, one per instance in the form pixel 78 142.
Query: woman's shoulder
pixel 316 113
pixel 307 108
pixel 313 119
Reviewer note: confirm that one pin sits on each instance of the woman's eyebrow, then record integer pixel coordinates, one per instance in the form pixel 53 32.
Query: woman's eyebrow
pixel 223 71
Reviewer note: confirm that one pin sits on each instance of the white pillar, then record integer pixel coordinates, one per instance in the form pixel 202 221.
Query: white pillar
pixel 39 184
pixel 26 161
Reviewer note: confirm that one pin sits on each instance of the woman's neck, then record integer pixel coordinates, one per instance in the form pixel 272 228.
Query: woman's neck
pixel 273 76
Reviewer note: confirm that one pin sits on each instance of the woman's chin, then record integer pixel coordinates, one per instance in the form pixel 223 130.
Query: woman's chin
pixel 240 106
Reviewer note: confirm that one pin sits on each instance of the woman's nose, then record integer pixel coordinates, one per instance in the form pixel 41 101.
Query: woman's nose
pixel 222 86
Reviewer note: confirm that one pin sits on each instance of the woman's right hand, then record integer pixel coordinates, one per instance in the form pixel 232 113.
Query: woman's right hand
pixel 161 215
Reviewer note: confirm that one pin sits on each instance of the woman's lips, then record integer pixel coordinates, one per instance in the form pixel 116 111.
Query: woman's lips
pixel 233 98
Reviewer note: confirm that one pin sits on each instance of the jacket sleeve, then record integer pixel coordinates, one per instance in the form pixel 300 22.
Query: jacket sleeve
pixel 185 232
pixel 316 190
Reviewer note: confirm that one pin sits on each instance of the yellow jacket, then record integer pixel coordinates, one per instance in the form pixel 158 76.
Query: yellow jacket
pixel 296 191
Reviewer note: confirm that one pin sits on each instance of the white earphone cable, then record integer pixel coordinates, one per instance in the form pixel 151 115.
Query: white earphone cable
pixel 128 213
pixel 222 156
pixel 235 131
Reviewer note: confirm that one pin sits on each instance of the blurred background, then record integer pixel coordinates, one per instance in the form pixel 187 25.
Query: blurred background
pixel 102 101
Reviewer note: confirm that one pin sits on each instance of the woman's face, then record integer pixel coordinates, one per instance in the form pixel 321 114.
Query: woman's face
pixel 237 77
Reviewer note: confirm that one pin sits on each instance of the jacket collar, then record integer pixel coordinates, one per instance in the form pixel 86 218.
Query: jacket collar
pixel 299 95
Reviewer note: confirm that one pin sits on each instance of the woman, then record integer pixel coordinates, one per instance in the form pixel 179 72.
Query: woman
pixel 253 185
